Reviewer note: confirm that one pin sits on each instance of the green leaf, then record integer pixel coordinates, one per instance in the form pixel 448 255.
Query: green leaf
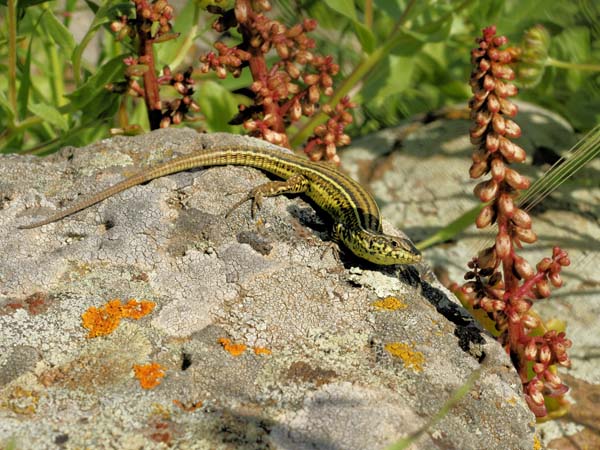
pixel 24 3
pixel 391 76
pixel 172 52
pixel 365 36
pixel 104 14
pixel 344 7
pixel 347 9
pixel 5 107
pixel 50 114
pixel 217 105
pixel 392 8
pixel 25 78
pixel 57 31
pixel 94 87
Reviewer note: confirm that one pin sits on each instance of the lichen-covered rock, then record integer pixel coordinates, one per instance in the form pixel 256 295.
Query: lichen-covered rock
pixel 257 336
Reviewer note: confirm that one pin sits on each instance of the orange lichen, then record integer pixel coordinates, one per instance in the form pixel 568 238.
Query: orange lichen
pixel 233 349
pixel 136 310
pixel 104 320
pixel 262 351
pixel 406 353
pixel 149 375
pixel 389 303
pixel 188 408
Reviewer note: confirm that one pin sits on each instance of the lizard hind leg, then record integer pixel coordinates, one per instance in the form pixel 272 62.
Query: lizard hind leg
pixel 296 184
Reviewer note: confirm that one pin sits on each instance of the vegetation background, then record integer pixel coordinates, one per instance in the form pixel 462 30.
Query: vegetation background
pixel 398 59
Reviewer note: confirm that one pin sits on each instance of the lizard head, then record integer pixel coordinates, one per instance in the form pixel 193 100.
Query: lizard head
pixel 387 250
pixel 379 248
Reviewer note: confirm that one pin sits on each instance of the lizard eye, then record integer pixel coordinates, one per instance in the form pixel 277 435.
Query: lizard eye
pixel 395 243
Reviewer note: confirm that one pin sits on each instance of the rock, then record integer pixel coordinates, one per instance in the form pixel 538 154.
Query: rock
pixel 263 339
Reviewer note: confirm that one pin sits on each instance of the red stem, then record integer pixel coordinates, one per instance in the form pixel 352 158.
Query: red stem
pixel 151 90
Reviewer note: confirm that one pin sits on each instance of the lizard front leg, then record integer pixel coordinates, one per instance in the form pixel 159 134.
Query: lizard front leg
pixel 296 184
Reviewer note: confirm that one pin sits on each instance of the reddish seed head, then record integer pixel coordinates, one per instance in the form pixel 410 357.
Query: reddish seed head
pixel 530 351
pixel 530 321
pixel 485 217
pixel 503 245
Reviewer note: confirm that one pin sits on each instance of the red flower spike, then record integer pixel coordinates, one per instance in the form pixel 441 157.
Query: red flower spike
pixel 501 282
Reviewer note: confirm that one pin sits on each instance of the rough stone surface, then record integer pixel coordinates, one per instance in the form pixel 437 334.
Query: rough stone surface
pixel 342 373
pixel 433 189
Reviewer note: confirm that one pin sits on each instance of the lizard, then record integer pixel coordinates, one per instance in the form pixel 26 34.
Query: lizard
pixel 356 218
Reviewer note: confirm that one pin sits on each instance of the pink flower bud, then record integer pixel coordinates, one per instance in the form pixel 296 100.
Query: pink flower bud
pixel 492 142
pixel 311 78
pixel 512 130
pixel 282 50
pixel 497 169
pixel 521 306
pixel 530 321
pixel 521 219
pixel 508 108
pixel 221 72
pixel 516 180
pixel 485 217
pixel 513 316
pixel 477 169
pixel 477 130
pixel 241 12
pixel 544 265
pixel 555 279
pixel 506 206
pixel 564 360
pixel 343 139
pixel 491 305
pixel 503 245
pixel 543 290
pixel 326 80
pixel 486 190
pixel 511 151
pixel 525 235
pixel 314 94
pixel 294 31
pixel 502 71
pixel 292 70
pixel 534 389
pixel 530 351
pixel 523 268
pixel 484 65
pixel 552 379
pixel 505 89
pixel 468 288
pixel 295 111
pixel 482 117
pixel 489 83
pixel 498 123
pixel 564 261
pixel 493 103
pixel 545 354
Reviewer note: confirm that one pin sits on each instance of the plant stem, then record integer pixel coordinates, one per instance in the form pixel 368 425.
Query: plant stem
pixel 12 56
pixel 369 13
pixel 151 90
pixel 570 65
